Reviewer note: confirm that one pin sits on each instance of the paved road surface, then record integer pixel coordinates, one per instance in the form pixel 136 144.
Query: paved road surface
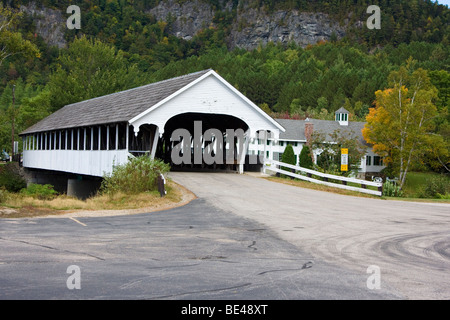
pixel 194 252
pixel 409 242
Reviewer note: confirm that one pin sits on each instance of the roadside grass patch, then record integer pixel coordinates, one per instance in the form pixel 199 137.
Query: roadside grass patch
pixel 320 187
pixel 20 205
pixel 427 185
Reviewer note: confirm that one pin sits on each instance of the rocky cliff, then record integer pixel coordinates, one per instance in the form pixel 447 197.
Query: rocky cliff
pixel 50 24
pixel 251 26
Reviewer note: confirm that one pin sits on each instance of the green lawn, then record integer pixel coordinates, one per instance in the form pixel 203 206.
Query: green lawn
pixel 416 183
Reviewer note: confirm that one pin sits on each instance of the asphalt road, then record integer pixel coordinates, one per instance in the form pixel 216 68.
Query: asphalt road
pixel 408 241
pixel 244 238
pixel 198 251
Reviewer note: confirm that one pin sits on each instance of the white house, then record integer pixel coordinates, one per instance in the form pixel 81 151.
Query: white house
pixel 298 133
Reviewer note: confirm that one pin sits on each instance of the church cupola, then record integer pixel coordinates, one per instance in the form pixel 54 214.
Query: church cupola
pixel 342 116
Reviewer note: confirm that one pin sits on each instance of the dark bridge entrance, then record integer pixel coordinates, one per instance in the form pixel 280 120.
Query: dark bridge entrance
pixel 167 145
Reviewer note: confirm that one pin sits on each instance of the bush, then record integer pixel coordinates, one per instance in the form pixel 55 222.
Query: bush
pixel 138 175
pixel 288 157
pixel 10 177
pixel 39 191
pixel 436 187
pixel 305 158
pixel 391 189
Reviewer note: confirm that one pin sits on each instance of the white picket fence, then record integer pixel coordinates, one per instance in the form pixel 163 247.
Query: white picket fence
pixel 274 166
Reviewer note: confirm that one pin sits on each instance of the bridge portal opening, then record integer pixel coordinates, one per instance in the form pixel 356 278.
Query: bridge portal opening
pixel 221 145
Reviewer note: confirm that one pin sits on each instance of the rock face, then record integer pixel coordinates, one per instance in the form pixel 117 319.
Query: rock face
pixel 251 26
pixel 256 27
pixel 50 24
pixel 187 18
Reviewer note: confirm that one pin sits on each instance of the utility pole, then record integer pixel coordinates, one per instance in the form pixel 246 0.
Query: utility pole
pixel 13 120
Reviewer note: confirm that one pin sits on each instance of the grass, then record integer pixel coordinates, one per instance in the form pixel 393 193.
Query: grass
pixel 413 188
pixel 319 187
pixel 21 205
pixel 415 182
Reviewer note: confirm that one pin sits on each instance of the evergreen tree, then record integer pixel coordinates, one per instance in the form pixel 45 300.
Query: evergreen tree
pixel 305 158
pixel 288 157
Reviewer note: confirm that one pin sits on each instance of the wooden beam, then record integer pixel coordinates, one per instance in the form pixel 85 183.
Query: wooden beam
pixel 155 143
pixel 117 136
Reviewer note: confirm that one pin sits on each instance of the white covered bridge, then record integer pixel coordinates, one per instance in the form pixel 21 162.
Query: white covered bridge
pixel 90 137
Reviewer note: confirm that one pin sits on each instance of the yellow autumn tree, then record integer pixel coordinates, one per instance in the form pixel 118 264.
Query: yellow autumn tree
pixel 400 127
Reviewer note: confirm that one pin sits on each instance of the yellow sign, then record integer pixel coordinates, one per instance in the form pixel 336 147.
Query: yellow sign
pixel 344 159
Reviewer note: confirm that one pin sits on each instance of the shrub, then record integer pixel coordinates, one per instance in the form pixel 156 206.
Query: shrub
pixel 138 175
pixel 391 189
pixel 437 187
pixel 10 177
pixel 39 191
pixel 288 157
pixel 305 158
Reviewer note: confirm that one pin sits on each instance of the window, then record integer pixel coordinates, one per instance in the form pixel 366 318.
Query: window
pixel 63 140
pixel 103 138
pixel 123 136
pixel 95 136
pixel 281 143
pixel 69 139
pixel 112 137
pixel 368 160
pixel 377 161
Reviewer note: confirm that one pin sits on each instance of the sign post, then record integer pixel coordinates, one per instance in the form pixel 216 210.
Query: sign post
pixel 344 159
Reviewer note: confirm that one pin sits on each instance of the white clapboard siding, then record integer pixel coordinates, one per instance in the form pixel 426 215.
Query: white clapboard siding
pixel 210 95
pixel 93 163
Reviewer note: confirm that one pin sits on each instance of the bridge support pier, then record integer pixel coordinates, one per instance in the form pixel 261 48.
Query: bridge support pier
pixel 71 184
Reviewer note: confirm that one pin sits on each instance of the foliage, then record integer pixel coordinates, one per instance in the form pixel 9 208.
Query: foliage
pixel 31 105
pixel 90 69
pixel 391 189
pixel 436 187
pixel 10 177
pixel 400 126
pixel 11 41
pixel 3 195
pixel 305 158
pixel 137 175
pixel 39 191
pixel 121 45
pixel 331 145
pixel 288 157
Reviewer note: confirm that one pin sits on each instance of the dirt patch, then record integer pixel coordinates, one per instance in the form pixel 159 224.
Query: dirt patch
pixel 184 196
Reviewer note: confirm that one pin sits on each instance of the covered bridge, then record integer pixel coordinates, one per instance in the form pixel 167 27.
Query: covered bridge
pixel 90 137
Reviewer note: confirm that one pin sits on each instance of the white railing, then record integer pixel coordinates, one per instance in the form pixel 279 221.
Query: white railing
pixel 274 166
pixel 93 163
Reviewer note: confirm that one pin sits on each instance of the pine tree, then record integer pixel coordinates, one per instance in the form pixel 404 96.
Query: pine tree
pixel 305 158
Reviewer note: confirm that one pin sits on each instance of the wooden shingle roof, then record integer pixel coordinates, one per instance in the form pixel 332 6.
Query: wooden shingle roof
pixel 113 108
